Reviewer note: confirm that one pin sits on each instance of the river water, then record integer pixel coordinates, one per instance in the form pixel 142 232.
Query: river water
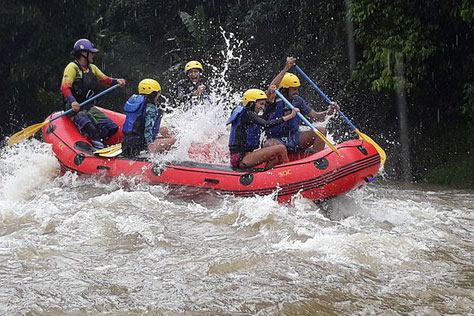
pixel 84 246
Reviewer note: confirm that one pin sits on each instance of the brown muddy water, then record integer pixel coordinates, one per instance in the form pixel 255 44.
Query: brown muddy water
pixel 82 246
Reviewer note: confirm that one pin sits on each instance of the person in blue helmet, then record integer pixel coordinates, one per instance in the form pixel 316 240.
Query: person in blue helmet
pixel 81 80
pixel 142 128
pixel 288 133
pixel 244 140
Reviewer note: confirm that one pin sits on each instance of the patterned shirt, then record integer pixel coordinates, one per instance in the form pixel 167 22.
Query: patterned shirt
pixel 151 120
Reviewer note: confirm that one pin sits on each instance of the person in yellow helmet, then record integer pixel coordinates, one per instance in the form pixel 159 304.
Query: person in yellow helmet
pixel 193 87
pixel 244 140
pixel 288 133
pixel 142 125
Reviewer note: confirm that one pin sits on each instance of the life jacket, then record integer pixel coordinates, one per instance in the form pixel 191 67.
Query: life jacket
pixel 134 125
pixel 184 89
pixel 85 86
pixel 243 138
pixel 285 129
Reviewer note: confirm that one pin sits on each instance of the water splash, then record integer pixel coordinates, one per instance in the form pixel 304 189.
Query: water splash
pixel 201 131
pixel 26 167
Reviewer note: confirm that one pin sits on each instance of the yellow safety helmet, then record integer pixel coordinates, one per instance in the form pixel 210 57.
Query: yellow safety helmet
pixel 193 64
pixel 289 80
pixel 252 95
pixel 147 86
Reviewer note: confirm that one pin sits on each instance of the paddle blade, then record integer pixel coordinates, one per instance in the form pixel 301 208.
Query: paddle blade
pixel 108 149
pixel 111 154
pixel 27 132
pixel 334 149
pixel 379 149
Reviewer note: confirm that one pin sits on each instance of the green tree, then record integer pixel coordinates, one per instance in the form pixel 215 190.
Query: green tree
pixel 392 36
pixel 37 37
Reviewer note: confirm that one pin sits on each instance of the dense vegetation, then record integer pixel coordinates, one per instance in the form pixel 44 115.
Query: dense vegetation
pixel 421 51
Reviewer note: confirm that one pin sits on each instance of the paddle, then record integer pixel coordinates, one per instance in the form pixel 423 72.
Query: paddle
pixel 31 130
pixel 111 153
pixel 108 149
pixel 315 130
pixel 381 152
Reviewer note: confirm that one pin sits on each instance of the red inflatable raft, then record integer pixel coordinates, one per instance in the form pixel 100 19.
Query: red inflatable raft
pixel 316 177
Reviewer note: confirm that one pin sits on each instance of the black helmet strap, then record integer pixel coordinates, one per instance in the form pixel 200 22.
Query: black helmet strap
pixel 85 56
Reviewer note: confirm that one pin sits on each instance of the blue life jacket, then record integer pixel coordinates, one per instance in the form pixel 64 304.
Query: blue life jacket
pixel 288 128
pixel 243 138
pixel 135 108
pixel 134 125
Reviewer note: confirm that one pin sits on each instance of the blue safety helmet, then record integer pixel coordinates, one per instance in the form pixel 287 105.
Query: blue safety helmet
pixel 84 44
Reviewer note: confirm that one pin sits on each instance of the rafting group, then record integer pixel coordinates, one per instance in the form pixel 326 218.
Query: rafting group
pixel 143 131
pixel 298 161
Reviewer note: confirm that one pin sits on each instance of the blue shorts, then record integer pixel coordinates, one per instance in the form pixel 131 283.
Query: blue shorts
pixel 291 142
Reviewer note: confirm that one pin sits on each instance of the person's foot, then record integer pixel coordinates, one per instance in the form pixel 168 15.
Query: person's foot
pixel 97 144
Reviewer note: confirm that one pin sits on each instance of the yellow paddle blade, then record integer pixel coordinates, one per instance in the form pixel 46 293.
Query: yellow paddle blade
pixel 334 149
pixel 111 154
pixel 379 149
pixel 108 149
pixel 27 132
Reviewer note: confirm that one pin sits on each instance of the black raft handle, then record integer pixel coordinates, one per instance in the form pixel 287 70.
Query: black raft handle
pixel 213 181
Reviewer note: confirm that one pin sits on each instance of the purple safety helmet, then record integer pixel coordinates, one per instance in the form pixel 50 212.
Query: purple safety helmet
pixel 85 44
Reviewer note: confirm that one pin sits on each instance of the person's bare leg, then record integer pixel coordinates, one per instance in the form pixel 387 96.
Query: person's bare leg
pixel 273 154
pixel 271 142
pixel 318 143
pixel 166 133
pixel 309 139
pixel 161 144
pixel 277 160
pixel 280 157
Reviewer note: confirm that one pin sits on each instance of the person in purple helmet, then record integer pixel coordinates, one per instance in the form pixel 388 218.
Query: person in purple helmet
pixel 81 80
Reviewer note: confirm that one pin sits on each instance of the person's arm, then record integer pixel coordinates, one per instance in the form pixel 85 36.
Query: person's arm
pixel 253 117
pixel 290 62
pixel 69 76
pixel 321 116
pixel 271 96
pixel 317 116
pixel 106 80
pixel 307 109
